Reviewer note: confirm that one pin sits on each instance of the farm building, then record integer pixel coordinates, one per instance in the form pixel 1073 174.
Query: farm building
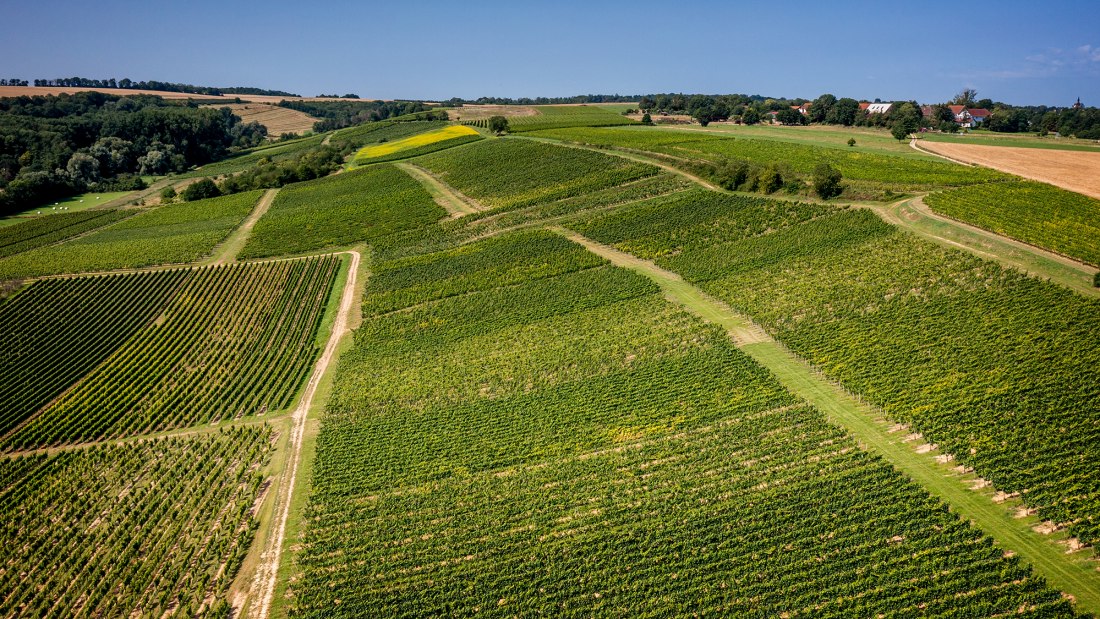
pixel 969 117
pixel 877 108
pixel 802 109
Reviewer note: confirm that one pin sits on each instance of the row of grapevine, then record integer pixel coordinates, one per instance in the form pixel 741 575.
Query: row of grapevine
pixel 57 330
pixel 566 442
pixel 49 229
pixel 173 234
pixel 448 233
pixel 1036 213
pixel 513 173
pixel 342 210
pixel 154 528
pixel 234 340
pixel 997 368
pixel 898 173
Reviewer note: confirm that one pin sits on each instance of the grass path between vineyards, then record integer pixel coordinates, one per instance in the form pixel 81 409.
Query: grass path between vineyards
pixel 1074 573
pixel 264 583
pixel 914 215
pixel 228 250
pixel 444 195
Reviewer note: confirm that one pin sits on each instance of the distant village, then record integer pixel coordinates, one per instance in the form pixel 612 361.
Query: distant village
pixel 965 117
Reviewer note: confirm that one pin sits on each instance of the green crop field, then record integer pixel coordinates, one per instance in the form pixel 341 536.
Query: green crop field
pixel 1036 213
pixel 561 455
pixel 29 234
pixel 508 173
pixel 340 211
pixel 958 347
pixel 147 528
pixel 232 341
pixel 173 234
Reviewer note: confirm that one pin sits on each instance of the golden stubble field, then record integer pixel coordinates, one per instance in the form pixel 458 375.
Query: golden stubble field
pixel 1073 170
pixel 278 120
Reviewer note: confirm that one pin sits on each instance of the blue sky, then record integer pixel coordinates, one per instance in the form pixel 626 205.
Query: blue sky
pixel 1018 52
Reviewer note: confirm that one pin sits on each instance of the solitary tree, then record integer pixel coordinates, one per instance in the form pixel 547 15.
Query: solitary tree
pixel 498 124
pixel 646 119
pixel 851 141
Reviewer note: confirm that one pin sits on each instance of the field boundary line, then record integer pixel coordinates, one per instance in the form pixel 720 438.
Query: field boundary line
pixel 915 146
pixel 267 571
pixel 1075 574
pixel 227 251
pixel 455 202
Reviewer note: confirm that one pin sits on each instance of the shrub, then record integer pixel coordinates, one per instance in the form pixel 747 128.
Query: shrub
pixel 826 181
pixel 200 191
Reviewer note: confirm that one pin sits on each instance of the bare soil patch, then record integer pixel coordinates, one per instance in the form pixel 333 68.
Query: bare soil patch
pixel 1073 170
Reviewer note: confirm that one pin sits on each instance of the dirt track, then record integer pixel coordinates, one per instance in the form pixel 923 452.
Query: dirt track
pixel 1073 170
pixel 268 569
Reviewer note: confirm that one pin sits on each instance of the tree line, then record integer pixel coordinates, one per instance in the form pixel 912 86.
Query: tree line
pixel 83 82
pixel 52 147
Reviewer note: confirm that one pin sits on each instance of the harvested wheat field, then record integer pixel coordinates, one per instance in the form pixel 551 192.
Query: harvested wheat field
pixel 278 120
pixel 1072 170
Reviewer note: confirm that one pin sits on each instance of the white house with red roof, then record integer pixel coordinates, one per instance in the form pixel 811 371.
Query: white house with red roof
pixel 969 117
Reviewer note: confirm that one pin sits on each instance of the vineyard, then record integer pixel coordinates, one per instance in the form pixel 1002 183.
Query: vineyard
pixel 576 445
pixel 339 211
pixel 420 144
pixel 1036 213
pixel 156 528
pixel 510 173
pixel 233 341
pixel 962 349
pixel 173 234
pixel 49 229
pixel 57 330
pixel 870 171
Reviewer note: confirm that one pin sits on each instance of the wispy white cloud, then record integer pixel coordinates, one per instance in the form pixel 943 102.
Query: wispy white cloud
pixel 1083 60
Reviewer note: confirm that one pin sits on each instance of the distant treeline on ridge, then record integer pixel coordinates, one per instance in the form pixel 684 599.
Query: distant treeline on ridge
pixel 83 82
